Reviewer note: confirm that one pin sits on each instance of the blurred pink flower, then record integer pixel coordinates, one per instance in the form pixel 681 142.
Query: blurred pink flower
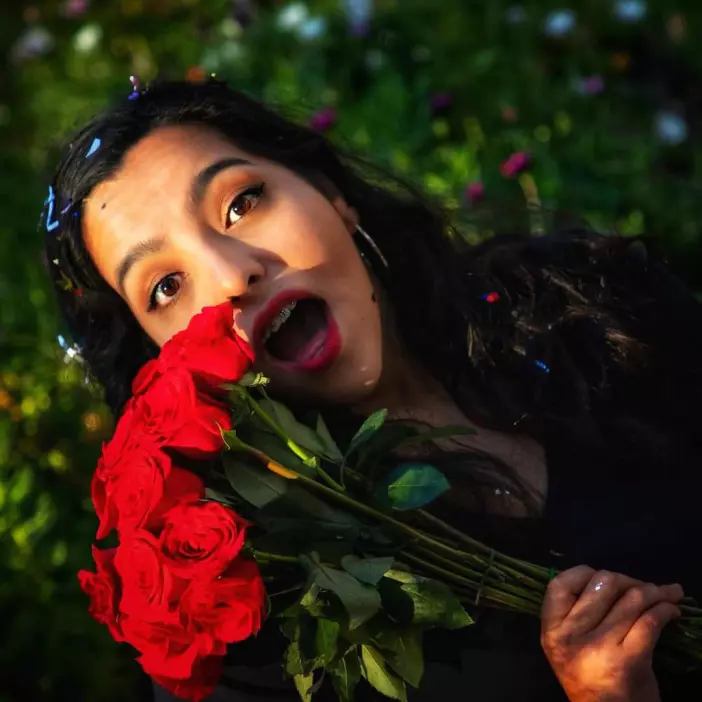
pixel 592 85
pixel 323 119
pixel 441 101
pixel 517 163
pixel 75 8
pixel 475 192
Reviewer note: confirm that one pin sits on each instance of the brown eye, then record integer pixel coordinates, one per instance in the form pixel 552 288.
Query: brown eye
pixel 242 204
pixel 165 290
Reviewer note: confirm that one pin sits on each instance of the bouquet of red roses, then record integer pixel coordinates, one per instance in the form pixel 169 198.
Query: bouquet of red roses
pixel 208 482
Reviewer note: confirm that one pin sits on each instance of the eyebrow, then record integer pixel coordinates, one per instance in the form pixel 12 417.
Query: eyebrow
pixel 197 192
pixel 203 179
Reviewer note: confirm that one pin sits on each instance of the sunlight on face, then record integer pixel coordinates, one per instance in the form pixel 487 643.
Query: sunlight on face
pixel 190 220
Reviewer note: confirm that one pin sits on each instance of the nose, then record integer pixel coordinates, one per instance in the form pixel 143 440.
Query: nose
pixel 229 269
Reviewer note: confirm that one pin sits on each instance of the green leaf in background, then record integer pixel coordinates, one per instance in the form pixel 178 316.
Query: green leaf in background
pixel 361 601
pixel 368 428
pixel 332 451
pixel 367 570
pixel 303 685
pixel 434 604
pixel 297 431
pixel 346 674
pixel 413 485
pixel 375 671
pixel 404 652
pixel 257 486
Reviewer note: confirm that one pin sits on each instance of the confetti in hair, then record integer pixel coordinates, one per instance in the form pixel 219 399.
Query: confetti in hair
pixel 67 207
pixel 94 147
pixel 135 87
pixel 545 368
pixel 491 297
pixel 50 225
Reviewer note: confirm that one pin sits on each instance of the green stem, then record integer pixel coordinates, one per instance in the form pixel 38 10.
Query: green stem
pixel 542 574
pixel 307 458
pixel 276 558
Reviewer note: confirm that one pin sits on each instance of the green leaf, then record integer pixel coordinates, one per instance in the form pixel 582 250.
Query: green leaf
pixel 297 431
pixel 332 451
pixel 367 570
pixel 360 601
pixel 434 604
pixel 413 485
pixel 346 674
pixel 303 685
pixel 257 486
pixel 368 428
pixel 434 434
pixel 326 638
pixel 404 647
pixel 294 663
pixel 375 671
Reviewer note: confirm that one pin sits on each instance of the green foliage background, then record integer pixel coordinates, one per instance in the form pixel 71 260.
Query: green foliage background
pixel 511 87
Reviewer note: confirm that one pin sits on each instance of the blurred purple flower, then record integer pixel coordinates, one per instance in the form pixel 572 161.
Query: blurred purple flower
pixel 475 192
pixel 358 14
pixel 441 101
pixel 323 120
pixel 517 163
pixel 75 8
pixel 591 85
pixel 35 42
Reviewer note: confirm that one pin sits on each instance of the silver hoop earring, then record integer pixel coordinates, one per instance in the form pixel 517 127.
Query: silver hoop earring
pixel 373 245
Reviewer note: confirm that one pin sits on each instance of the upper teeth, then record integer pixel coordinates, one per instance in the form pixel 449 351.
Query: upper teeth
pixel 278 322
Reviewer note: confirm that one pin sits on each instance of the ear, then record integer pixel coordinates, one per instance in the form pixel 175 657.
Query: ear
pixel 346 212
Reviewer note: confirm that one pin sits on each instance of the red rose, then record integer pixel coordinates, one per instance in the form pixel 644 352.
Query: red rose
pixel 230 608
pixel 103 589
pixel 177 416
pixel 201 540
pixel 168 649
pixel 201 683
pixel 148 585
pixel 209 348
pixel 136 490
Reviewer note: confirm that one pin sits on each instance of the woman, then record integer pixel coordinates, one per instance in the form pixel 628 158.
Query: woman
pixel 575 356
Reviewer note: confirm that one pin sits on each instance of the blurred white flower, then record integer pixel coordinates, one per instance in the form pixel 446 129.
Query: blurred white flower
pixel 630 10
pixel 292 16
pixel 312 28
pixel 559 23
pixel 33 43
pixel 515 14
pixel 671 128
pixel 87 38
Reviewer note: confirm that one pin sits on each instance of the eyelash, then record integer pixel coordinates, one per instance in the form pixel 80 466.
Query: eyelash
pixel 255 190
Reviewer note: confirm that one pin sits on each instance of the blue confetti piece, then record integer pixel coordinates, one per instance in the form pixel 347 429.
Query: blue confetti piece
pixel 94 147
pixel 543 366
pixel 62 342
pixel 50 226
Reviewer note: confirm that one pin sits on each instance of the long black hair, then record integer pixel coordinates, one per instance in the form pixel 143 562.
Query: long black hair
pixel 572 337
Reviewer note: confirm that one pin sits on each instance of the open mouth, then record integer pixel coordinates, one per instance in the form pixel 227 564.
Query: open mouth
pixel 300 333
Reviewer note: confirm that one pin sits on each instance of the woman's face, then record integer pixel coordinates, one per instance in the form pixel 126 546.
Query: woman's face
pixel 190 221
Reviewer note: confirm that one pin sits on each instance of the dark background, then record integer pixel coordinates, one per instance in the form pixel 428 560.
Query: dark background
pixel 605 95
